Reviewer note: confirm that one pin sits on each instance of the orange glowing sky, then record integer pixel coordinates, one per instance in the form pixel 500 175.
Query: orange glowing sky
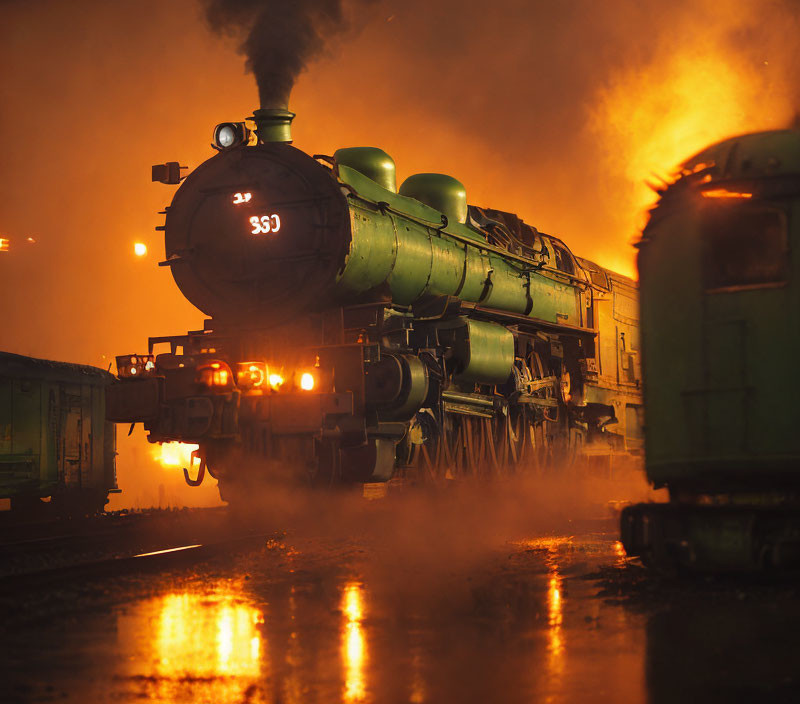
pixel 557 111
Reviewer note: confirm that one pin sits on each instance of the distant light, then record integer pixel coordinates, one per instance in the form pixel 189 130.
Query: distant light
pixel 4 243
pixel 30 239
pixel 275 381
pixel 140 249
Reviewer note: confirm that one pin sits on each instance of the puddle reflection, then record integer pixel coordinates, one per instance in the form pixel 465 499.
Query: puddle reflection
pixel 417 695
pixel 220 642
pixel 196 646
pixel 555 620
pixel 204 636
pixel 353 643
pixel 556 641
pixel 291 680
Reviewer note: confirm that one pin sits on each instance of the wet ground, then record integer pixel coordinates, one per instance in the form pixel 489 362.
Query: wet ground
pixel 440 601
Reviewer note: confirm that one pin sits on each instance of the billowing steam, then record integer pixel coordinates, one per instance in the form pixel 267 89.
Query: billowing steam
pixel 280 37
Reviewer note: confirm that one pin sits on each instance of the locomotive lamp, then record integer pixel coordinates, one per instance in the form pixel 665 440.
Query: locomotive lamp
pixel 251 374
pixel 216 374
pixel 132 366
pixel 230 134
pixel 169 173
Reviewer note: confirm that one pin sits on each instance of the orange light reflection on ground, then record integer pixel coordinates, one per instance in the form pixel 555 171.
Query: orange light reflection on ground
pixel 353 642
pixel 206 636
pixel 556 643
pixel 555 619
pixel 292 683
pixel 197 647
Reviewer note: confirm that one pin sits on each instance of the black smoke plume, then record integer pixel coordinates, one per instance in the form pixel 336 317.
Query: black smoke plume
pixel 279 37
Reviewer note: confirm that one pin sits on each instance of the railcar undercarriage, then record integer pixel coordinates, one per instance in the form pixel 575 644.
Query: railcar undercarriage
pixel 391 396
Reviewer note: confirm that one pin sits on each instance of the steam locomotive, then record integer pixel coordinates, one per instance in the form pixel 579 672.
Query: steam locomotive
pixel 358 332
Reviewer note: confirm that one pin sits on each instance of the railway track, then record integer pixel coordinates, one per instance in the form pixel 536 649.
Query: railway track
pixel 163 558
pixel 120 543
pixel 17 529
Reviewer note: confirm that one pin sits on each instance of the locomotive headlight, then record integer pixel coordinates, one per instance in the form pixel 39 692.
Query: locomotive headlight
pixel 251 374
pixel 275 381
pixel 307 381
pixel 230 134
pixel 214 374
pixel 226 136
pixel 130 366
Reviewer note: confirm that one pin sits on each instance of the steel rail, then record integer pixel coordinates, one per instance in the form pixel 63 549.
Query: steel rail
pixel 156 560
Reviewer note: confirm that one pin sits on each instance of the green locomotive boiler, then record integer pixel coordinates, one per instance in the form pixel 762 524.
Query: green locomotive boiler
pixel 358 331
pixel 55 441
pixel 719 285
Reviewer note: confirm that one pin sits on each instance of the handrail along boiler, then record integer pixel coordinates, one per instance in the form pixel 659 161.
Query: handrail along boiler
pixel 357 330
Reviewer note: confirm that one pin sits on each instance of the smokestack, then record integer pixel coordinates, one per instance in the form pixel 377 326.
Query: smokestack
pixel 273 124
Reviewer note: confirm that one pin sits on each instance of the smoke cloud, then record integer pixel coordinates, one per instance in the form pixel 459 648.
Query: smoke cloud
pixel 280 37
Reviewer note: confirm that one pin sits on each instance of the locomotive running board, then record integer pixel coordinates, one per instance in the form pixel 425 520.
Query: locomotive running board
pixel 438 307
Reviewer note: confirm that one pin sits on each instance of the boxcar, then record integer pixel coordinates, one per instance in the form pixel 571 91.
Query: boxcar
pixel 720 298
pixel 55 441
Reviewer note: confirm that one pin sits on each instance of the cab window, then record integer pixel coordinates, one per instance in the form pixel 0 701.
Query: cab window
pixel 744 247
pixel 563 259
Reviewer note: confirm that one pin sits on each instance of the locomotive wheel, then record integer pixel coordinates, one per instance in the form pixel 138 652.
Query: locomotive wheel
pixel 427 455
pixel 500 444
pixel 496 435
pixel 475 446
pixel 522 440
pixel 427 460
pixel 453 446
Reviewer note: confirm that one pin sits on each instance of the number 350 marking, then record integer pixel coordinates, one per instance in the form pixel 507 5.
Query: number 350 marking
pixel 264 224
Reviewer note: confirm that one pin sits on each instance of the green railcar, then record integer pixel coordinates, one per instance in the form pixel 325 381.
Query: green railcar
pixel 720 295
pixel 360 332
pixel 55 442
